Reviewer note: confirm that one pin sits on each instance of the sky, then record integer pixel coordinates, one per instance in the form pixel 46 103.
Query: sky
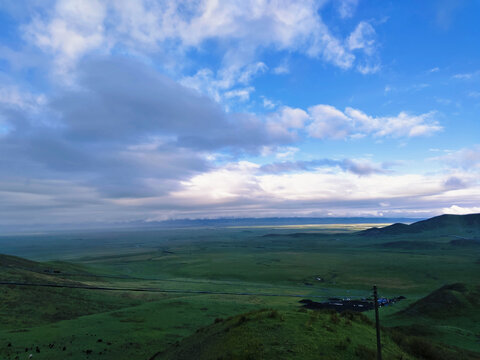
pixel 119 110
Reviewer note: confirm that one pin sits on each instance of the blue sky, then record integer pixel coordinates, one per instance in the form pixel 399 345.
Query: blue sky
pixel 149 110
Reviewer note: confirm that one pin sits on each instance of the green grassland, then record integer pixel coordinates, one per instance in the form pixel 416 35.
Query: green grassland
pixel 272 334
pixel 195 276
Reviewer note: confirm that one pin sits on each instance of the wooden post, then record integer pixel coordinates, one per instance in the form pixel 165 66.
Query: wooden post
pixel 377 323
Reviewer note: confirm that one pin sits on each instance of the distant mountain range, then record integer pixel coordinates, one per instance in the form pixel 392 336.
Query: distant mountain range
pixel 456 223
pixel 219 222
pixel 453 224
pixel 277 221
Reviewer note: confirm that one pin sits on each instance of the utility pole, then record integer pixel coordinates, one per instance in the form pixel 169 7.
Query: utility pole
pixel 377 323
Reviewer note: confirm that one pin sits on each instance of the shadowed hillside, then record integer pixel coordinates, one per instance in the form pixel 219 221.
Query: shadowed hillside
pixel 468 225
pixel 448 301
pixel 19 306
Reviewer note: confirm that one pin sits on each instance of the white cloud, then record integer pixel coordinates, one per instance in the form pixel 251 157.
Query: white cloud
pixel 254 25
pixel 286 120
pixel 292 118
pixel 241 94
pixel 444 101
pixel 225 184
pixel 362 38
pixel 360 167
pixel 459 210
pixel 154 142
pixel 402 125
pixel 144 23
pixel 333 189
pixel 129 136
pixel 75 28
pixel 267 103
pixel 466 76
pixel 367 69
pixel 331 49
pixel 346 8
pixel 282 68
pixel 219 85
pixel 250 71
pixel 241 29
pixel 204 81
pixel 12 96
pixel 329 122
pixel 466 158
pixel 286 152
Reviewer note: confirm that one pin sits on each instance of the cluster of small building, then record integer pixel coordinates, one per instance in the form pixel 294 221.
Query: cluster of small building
pixel 348 304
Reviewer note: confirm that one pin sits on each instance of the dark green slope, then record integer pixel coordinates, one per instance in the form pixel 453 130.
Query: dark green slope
pixel 271 334
pixel 447 302
pixel 449 316
pixel 464 225
pixel 22 306
pixel 9 261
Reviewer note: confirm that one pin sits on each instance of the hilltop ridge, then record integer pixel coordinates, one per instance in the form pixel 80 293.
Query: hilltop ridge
pixel 455 224
pixel 448 301
pixel 272 334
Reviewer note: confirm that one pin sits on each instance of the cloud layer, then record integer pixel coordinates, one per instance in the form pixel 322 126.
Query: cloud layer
pixel 124 110
pixel 128 136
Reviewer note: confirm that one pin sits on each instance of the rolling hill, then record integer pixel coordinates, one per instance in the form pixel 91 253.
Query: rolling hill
pixel 460 225
pixel 272 334
pixel 19 305
pixel 448 301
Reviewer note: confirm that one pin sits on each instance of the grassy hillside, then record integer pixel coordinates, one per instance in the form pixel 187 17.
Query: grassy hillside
pixel 449 315
pixel 238 267
pixel 448 301
pixel 272 334
pixel 30 306
pixel 460 225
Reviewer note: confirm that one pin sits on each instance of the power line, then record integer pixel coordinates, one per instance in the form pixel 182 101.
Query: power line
pixel 205 292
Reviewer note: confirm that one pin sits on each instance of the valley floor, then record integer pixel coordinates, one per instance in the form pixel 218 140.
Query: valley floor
pixel 169 283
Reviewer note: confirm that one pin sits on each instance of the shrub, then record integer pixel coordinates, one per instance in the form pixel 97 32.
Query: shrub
pixel 419 347
pixel 342 345
pixel 242 319
pixel 334 319
pixel 365 353
pixel 274 314
pixel 349 315
pixel 309 325
pixel 328 328
pixel 426 350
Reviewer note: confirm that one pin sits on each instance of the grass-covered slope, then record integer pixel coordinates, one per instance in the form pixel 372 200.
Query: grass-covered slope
pixel 466 225
pixel 448 301
pixel 272 334
pixel 22 306
pixel 448 316
pixel 8 261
